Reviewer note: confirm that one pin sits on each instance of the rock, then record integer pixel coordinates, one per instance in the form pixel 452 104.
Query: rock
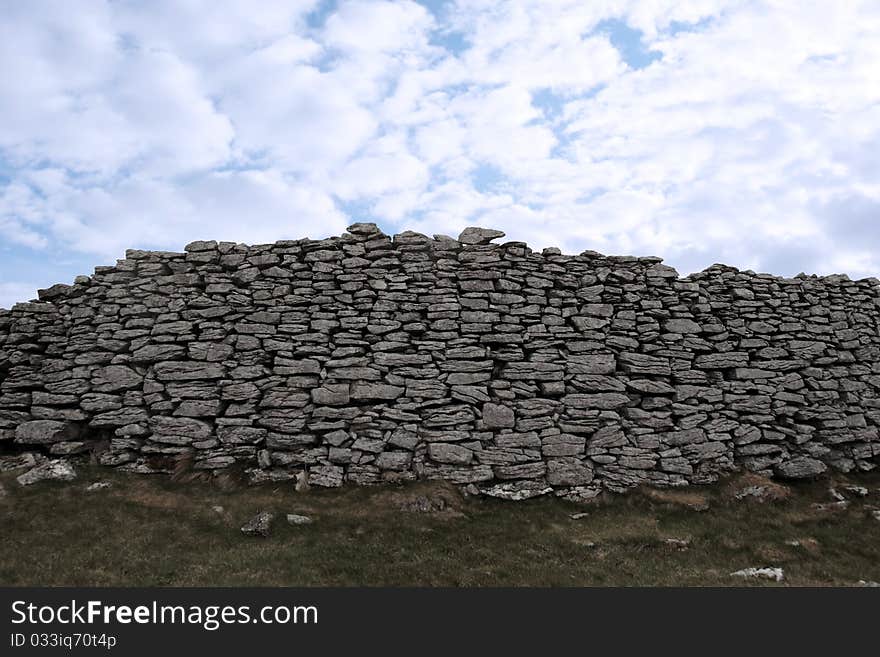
pixel 517 490
pixel 187 371
pixel 327 476
pixel 802 467
pixel 496 416
pixel 54 470
pixel 678 543
pixel 579 516
pixel 361 391
pixel 568 471
pixel 475 235
pixel 302 482
pixel 114 378
pixel 602 400
pixel 331 395
pixel 98 485
pixel 45 432
pixel 26 460
pixel 681 326
pixel 774 574
pixel 858 491
pixel 259 525
pixel 394 461
pixel 366 359
pixel 423 504
pixel 295 519
pixel 450 453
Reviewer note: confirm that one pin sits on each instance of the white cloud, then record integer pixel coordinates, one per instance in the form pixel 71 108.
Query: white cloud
pixel 752 139
pixel 12 292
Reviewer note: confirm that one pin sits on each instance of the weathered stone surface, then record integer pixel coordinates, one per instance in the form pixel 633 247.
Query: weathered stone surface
pixel 591 364
pixel 496 416
pixel 45 432
pixel 681 326
pixel 374 391
pixel 187 371
pixel 602 400
pixel 633 363
pixel 450 453
pixel 366 358
pixel 764 572
pixel 54 470
pixel 517 490
pixel 260 525
pixel 114 378
pixel 475 235
pixel 568 472
pixel 23 461
pixel 802 467
pixel 180 426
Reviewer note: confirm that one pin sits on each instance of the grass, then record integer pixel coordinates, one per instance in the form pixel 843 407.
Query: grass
pixel 152 531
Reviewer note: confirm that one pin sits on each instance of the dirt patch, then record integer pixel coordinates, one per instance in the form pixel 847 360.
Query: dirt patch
pixel 751 487
pixel 143 493
pixel 687 499
pixel 435 497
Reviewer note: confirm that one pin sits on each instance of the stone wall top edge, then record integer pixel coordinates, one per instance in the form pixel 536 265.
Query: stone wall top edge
pixel 471 237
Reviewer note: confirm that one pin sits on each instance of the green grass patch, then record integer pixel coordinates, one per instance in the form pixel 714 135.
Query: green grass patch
pixel 152 531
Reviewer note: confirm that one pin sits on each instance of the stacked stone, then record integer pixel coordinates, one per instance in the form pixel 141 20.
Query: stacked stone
pixel 365 358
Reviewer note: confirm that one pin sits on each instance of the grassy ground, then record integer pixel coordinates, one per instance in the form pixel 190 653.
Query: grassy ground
pixel 151 531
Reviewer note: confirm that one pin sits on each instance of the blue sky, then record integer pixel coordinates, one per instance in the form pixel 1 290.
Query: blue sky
pixel 702 131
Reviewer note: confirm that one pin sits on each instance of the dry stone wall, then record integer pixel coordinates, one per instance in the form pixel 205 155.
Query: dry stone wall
pixel 366 358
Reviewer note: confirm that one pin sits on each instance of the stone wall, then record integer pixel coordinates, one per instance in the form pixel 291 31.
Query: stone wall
pixel 365 358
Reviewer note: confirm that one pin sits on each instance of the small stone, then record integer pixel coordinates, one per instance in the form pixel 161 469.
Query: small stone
pixel 56 470
pixel 681 326
pixel 98 485
pixel 302 482
pixel 579 516
pixel 678 543
pixel 496 416
pixel 517 490
pixel 771 573
pixel 801 467
pixel 296 519
pixel 869 584
pixel 20 461
pixel 858 491
pixel 476 235
pixel 219 510
pixel 259 525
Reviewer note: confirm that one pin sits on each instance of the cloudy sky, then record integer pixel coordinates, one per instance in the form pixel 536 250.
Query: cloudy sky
pixel 702 131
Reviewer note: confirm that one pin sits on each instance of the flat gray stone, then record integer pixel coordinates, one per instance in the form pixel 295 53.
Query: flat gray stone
pixel 45 432
pixel 475 235
pixel 54 470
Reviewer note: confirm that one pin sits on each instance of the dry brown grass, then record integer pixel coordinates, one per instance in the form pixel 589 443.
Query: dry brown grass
pixel 156 531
